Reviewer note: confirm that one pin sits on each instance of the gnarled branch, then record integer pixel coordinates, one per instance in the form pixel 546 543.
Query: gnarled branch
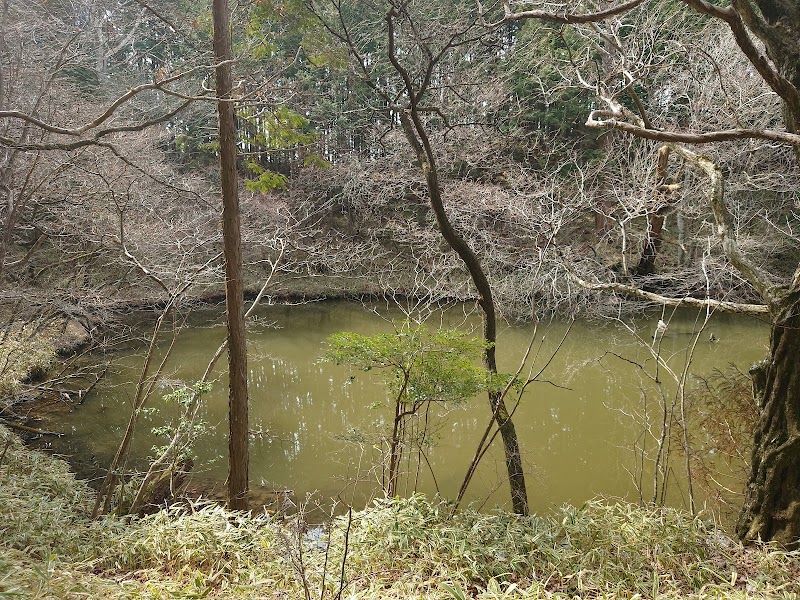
pixel 609 119
pixel 724 220
pixel 739 17
pixel 629 290
pixel 565 17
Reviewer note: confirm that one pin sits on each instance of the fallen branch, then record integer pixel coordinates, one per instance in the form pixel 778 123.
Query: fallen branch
pixel 28 429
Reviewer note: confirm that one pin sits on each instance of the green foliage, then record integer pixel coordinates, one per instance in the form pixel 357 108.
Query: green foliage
pixel 267 131
pixel 420 364
pixel 183 397
pixel 315 160
pixel 42 505
pixel 266 180
pixel 185 394
pixel 542 101
pixel 273 41
pixel 277 29
pixel 276 129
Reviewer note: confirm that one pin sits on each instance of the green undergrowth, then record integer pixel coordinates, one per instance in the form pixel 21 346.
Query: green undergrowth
pixel 409 548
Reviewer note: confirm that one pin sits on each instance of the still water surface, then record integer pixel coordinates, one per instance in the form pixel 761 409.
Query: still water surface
pixel 576 432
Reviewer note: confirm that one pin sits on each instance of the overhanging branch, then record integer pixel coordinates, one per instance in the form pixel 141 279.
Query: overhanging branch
pixel 738 18
pixel 608 119
pixel 95 139
pixel 629 290
pixel 725 224
pixel 102 118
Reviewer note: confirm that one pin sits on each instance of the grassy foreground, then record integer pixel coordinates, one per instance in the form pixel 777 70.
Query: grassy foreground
pixel 50 548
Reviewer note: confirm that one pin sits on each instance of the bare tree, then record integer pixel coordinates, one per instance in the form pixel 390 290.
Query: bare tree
pixel 419 56
pixel 770 507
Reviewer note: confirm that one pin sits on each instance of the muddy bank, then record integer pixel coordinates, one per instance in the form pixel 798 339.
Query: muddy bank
pixel 46 365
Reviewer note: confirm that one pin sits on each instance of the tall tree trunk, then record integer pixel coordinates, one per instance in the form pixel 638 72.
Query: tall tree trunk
pixel 238 441
pixel 417 137
pixel 771 508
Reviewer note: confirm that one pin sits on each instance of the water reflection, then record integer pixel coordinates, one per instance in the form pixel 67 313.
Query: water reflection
pixel 314 423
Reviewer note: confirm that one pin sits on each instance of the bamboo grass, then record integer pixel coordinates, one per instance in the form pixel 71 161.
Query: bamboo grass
pixel 395 548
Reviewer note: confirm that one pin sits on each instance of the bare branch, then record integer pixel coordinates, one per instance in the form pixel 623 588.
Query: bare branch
pixel 92 141
pixel 565 17
pixel 733 16
pixel 629 290
pixel 102 118
pixel 610 119
pixel 724 219
pixel 158 15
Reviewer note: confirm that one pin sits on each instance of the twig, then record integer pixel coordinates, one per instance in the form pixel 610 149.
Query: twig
pixel 344 555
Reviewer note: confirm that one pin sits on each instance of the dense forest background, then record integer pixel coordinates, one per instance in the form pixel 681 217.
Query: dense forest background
pixel 115 205
pixel 585 155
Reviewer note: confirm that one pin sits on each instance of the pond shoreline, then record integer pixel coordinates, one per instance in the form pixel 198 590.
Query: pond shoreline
pixel 303 411
pixel 85 339
pixel 316 320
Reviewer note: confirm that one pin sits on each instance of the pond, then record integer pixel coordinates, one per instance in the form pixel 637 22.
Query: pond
pixel 316 426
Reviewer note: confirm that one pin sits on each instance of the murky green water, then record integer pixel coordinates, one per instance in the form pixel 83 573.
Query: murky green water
pixel 576 432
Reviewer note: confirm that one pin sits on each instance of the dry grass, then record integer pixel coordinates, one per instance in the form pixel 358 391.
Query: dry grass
pixel 49 548
pixel 27 349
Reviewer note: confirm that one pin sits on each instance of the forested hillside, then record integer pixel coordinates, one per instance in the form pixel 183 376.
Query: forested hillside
pixel 114 171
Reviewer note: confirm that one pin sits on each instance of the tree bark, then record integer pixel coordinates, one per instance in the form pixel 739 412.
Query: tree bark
pixel 417 137
pixel 661 205
pixel 238 441
pixel 771 509
pixel 777 24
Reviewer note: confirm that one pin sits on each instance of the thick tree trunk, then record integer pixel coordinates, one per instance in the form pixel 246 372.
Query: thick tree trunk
pixel 777 24
pixel 781 36
pixel 771 508
pixel 238 441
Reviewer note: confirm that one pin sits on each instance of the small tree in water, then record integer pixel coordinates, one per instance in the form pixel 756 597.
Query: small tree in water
pixel 420 367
